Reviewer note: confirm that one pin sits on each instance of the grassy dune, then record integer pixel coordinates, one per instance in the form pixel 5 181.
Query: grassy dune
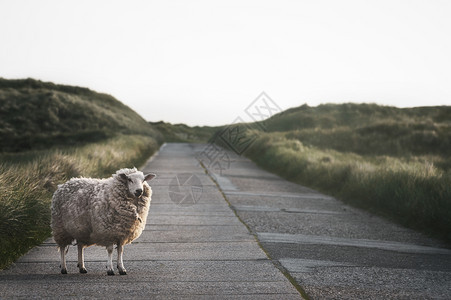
pixel 181 133
pixel 36 115
pixel 390 161
pixel 48 134
pixel 369 129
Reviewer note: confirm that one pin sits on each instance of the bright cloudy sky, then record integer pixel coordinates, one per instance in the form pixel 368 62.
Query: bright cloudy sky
pixel 204 62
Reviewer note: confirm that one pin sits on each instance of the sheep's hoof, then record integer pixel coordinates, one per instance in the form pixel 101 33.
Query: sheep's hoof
pixel 83 271
pixel 64 271
pixel 123 272
pixel 110 272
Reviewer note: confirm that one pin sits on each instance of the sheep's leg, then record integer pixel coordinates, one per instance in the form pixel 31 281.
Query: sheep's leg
pixel 109 265
pixel 120 263
pixel 63 252
pixel 81 260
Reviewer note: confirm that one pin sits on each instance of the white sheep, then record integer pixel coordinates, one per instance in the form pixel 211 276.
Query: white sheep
pixel 100 212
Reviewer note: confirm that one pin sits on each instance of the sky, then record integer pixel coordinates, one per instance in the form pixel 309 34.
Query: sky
pixel 205 62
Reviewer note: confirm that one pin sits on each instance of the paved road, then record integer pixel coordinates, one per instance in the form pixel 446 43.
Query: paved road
pixel 333 251
pixel 194 246
pixel 200 243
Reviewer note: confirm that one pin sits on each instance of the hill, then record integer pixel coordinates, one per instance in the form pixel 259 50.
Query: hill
pixel 184 133
pixel 48 134
pixel 36 115
pixel 395 162
pixel 368 128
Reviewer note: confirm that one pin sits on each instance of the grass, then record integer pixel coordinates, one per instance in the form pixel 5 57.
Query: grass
pixel 28 182
pixel 414 193
pixel 50 133
pixel 369 129
pixel 36 115
pixel 393 162
pixel 183 133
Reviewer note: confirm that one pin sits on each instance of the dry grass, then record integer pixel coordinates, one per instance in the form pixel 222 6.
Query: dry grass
pixel 411 191
pixel 28 180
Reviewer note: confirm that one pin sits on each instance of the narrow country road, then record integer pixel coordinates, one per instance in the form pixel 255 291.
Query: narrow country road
pixel 232 230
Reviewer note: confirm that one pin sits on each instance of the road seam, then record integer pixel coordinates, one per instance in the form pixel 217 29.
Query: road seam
pixel 276 263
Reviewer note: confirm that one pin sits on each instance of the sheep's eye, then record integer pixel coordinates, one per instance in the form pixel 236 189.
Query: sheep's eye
pixel 130 180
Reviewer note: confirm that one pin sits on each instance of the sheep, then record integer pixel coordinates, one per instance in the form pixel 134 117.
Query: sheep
pixel 102 212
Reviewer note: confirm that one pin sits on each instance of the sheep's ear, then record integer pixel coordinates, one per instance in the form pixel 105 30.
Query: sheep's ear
pixel 123 176
pixel 149 177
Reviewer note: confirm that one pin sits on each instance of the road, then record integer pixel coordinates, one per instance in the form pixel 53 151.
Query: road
pixel 240 232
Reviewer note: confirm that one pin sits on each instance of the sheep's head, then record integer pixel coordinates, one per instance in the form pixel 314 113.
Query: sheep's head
pixel 134 181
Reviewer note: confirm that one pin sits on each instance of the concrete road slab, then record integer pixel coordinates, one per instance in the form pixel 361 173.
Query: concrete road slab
pixel 326 281
pixel 166 270
pixel 154 251
pixel 359 256
pixel 185 219
pixel 52 287
pixel 198 208
pixel 196 234
pixel 270 237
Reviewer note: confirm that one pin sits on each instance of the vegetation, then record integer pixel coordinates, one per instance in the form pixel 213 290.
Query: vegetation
pixel 391 161
pixel 26 187
pixel 395 162
pixel 36 115
pixel 48 134
pixel 184 133
pixel 369 129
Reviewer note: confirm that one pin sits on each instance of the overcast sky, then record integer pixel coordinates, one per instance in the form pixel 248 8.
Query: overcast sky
pixel 204 62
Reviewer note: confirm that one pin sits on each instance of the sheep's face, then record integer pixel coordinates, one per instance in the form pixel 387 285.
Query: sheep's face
pixel 135 182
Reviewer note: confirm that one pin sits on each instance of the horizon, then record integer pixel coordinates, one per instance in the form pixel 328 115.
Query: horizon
pixel 302 104
pixel 203 64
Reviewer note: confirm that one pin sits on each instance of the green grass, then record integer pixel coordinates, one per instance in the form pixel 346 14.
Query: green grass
pixel 369 129
pixel 50 133
pixel 27 185
pixel 36 115
pixel 393 162
pixel 183 133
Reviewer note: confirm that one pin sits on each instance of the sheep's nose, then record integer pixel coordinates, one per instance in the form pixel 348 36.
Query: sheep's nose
pixel 138 192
